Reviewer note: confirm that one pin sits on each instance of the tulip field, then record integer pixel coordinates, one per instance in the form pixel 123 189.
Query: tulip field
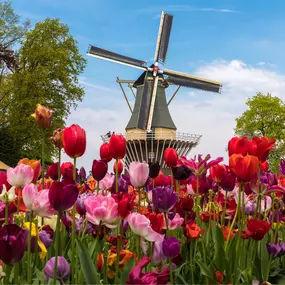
pixel 206 223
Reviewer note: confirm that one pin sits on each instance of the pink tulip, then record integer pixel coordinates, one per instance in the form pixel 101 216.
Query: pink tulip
pixel 175 223
pixel 107 182
pixel 140 225
pixel 37 201
pixel 139 172
pixel 101 209
pixel 20 175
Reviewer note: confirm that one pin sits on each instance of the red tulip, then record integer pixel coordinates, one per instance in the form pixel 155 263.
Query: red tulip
pixel 264 166
pixel 159 180
pixel 156 221
pixel 120 167
pixel 125 204
pixel 187 204
pixel 74 141
pixel 62 197
pixel 3 181
pixel 241 146
pixel 218 172
pixel 105 152
pixel 257 229
pixel 53 171
pixel 170 157
pixel 66 170
pixel 244 167
pixel 117 146
pixel 264 145
pixel 99 169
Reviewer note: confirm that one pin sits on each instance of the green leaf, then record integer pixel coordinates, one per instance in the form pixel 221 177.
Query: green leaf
pixel 87 264
pixel 218 238
pixel 205 270
pixel 127 268
pixel 264 256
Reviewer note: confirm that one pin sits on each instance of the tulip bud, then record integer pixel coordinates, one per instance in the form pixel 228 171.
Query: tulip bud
pixel 53 171
pixel 105 152
pixel 154 169
pixel 170 157
pixel 187 204
pixel 117 146
pixel 62 272
pixel 57 138
pixel 99 169
pixel 100 262
pixel 181 172
pixel 219 276
pixel 43 116
pixel 120 167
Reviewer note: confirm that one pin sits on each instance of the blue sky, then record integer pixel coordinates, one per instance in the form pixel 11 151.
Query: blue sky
pixel 239 42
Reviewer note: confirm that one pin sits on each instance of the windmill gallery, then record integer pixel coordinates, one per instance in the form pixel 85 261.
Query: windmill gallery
pixel 151 129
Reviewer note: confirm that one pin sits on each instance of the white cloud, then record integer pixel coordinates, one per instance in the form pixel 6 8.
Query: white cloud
pixel 211 115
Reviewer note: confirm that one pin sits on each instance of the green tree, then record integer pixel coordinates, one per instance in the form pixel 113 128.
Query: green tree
pixel 265 116
pixel 49 65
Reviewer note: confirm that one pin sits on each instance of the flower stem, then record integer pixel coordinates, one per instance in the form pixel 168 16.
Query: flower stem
pixel 166 222
pixel 224 209
pixel 43 159
pixel 117 175
pixel 170 271
pixel 191 262
pixel 59 163
pixel 73 232
pixel 138 246
pixel 98 187
pixel 197 197
pixel 234 220
pixel 8 269
pixel 6 211
pixel 139 202
pixel 119 245
pixel 29 250
pixel 56 245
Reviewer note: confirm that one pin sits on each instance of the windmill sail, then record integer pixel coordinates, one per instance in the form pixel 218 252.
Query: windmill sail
pixel 186 80
pixel 144 106
pixel 115 57
pixel 163 37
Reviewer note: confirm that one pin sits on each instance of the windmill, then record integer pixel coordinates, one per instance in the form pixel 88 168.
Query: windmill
pixel 151 129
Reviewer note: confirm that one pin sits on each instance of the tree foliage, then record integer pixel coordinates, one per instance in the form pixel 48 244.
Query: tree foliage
pixel 265 116
pixel 49 65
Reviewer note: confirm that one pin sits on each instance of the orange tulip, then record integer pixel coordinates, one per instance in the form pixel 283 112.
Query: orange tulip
pixel 43 116
pixel 244 167
pixel 35 164
pixel 193 231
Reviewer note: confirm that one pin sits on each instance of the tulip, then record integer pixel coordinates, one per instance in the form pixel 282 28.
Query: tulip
pixel 57 138
pixel 160 180
pixel 101 209
pixel 241 146
pixel 170 157
pixel 62 272
pixel 164 198
pixel 139 172
pixel 8 196
pixel 140 225
pixel 156 221
pixel 82 174
pixel 13 243
pixel 123 185
pixel 154 169
pixel 80 206
pixel 187 203
pixel 218 173
pixel 35 164
pixel 74 141
pixel 62 197
pixel 37 201
pixel 257 229
pixel 193 231
pixel 107 182
pixel 126 205
pixel 244 167
pixel 43 116
pixel 20 175
pixel 273 249
pixel 99 169
pixel 263 146
pixel 264 166
pixel 120 167
pixel 171 247
pixel 269 178
pixel 229 181
pixel 117 146
pixel 3 181
pixel 174 223
pixel 219 276
pixel 66 170
pixel 53 171
pixel 181 172
pixel 155 277
pixel 46 238
pixel 105 152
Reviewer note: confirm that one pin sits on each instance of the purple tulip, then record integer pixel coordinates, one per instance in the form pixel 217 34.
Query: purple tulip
pixel 122 183
pixel 276 216
pixel 80 207
pixel 62 197
pixel 82 174
pixel 281 167
pixel 45 238
pixel 273 249
pixel 163 198
pixel 171 247
pixel 268 178
pixel 62 272
pixel 81 227
pixel 12 243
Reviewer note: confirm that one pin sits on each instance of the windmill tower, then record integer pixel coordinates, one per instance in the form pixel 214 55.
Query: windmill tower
pixel 151 129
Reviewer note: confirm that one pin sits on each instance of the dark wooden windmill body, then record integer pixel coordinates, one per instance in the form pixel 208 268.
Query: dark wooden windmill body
pixel 151 129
